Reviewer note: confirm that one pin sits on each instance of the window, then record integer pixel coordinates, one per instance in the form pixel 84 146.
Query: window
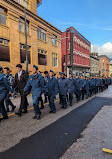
pixel 41 34
pixel 24 3
pixel 4 50
pixel 22 25
pixel 20 2
pixel 54 40
pixel 54 60
pixel 23 53
pixel 42 57
pixel 3 16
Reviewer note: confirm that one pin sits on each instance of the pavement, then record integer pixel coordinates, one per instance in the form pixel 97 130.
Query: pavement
pixel 97 136
pixel 50 137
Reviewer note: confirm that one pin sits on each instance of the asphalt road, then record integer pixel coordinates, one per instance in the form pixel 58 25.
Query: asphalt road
pixel 52 141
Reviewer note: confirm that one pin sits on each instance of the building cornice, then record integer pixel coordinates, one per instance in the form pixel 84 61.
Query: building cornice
pixel 35 16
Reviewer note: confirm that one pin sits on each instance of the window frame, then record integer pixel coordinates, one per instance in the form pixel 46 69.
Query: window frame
pixel 54 60
pixel 41 34
pixel 3 13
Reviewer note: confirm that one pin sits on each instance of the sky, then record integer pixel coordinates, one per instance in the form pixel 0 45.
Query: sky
pixel 92 18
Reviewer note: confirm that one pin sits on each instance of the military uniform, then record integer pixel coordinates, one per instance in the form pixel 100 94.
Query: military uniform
pixel 35 83
pixel 87 88
pixel 71 88
pixel 78 84
pixel 8 102
pixel 51 88
pixel 63 89
pixel 4 88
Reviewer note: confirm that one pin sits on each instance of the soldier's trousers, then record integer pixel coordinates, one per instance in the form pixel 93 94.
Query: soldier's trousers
pixel 51 102
pixel 45 97
pixel 8 101
pixel 87 93
pixel 78 95
pixel 2 108
pixel 70 98
pixel 36 105
pixel 41 100
pixel 63 101
pixel 83 93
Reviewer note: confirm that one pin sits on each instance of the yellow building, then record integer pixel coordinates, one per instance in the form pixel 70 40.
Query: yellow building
pixel 44 45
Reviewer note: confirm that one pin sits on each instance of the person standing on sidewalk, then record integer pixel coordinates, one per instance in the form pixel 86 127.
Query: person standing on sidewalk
pixel 36 85
pixel 4 88
pixel 10 79
pixel 20 81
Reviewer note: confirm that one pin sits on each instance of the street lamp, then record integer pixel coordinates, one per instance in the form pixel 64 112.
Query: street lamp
pixel 25 37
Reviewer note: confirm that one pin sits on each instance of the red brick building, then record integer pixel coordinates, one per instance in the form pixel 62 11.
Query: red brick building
pixel 75 52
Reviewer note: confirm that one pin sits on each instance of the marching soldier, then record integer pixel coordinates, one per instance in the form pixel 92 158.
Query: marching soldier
pixel 4 88
pixel 78 90
pixel 63 89
pixel 51 88
pixel 36 85
pixel 45 78
pixel 87 86
pixel 83 86
pixel 20 81
pixel 7 99
pixel 71 88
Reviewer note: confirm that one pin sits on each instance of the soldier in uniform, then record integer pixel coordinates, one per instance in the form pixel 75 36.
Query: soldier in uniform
pixel 10 79
pixel 36 85
pixel 83 86
pixel 101 85
pixel 58 78
pixel 45 78
pixel 51 88
pixel 4 88
pixel 78 83
pixel 63 89
pixel 92 85
pixel 87 86
pixel 71 88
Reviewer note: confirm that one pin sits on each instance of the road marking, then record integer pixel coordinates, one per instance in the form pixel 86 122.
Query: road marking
pixel 28 109
pixel 107 150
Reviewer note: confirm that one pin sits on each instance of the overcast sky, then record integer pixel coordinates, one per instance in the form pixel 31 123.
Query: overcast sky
pixel 92 18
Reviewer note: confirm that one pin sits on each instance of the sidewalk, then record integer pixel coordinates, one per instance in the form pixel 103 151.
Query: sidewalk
pixel 97 136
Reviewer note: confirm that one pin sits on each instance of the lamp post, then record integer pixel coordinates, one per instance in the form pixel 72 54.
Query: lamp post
pixel 25 38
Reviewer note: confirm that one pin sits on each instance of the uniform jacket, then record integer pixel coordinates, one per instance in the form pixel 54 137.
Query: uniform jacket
pixel 63 86
pixel 78 82
pixel 36 84
pixel 51 86
pixel 71 85
pixel 4 86
pixel 87 85
pixel 10 78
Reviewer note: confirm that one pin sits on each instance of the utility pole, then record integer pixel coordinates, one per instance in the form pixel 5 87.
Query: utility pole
pixel 71 49
pixel 26 38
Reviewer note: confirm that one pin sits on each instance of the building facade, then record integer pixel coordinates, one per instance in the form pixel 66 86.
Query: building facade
pixel 94 66
pixel 75 52
pixel 44 48
pixel 110 69
pixel 104 65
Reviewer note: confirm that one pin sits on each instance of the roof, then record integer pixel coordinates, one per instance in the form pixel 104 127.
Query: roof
pixel 105 56
pixel 96 58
